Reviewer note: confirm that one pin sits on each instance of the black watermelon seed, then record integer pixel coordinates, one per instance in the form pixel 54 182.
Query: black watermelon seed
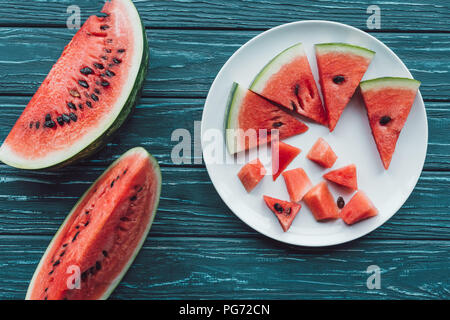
pixel 133 198
pixel 66 118
pixel 73 117
pixel 277 124
pixel 77 227
pixel 86 224
pixel 105 58
pixel 46 289
pixel 75 236
pixel 340 202
pixel 65 245
pixel 87 71
pixel 89 104
pixel 104 27
pixel 99 66
pixel 98 265
pixel 49 124
pixel 385 120
pixel 48 117
pixel 71 106
pixel 105 253
pixel 56 263
pixel 62 254
pixel 51 272
pixel 38 124
pixel 60 120
pixel 84 275
pixel 126 170
pixel 293 105
pixel 121 50
pixel 105 83
pixel 94 97
pixel 110 74
pixel 83 83
pixel 80 106
pixel 338 79
pixel 112 183
pixel 97 91
pixel 278 207
pixel 117 61
pixel 107 50
pixel 297 89
pixel 31 124
pixel 87 212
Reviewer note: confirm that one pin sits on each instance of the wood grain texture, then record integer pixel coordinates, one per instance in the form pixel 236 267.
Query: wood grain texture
pixel 221 267
pixel 37 203
pixel 183 63
pixel 240 14
pixel 155 119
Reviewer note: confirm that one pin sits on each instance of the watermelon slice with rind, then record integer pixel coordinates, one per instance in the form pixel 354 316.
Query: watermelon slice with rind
pixel 341 67
pixel 251 121
pixel 287 80
pixel 285 211
pixel 388 102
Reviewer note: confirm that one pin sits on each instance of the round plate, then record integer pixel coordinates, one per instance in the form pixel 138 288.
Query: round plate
pixel 352 140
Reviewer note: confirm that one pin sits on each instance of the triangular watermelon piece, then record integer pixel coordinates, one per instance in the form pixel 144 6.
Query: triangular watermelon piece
pixel 359 208
pixel 287 80
pixel 252 120
pixel 282 156
pixel 341 68
pixel 285 211
pixel 388 103
pixel 345 176
pixel 322 154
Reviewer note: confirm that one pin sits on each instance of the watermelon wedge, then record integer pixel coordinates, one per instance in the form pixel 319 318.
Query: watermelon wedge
pixel 282 156
pixel 345 176
pixel 321 203
pixel 388 102
pixel 322 154
pixel 341 68
pixel 87 95
pixel 297 183
pixel 287 80
pixel 283 210
pixel 252 120
pixel 251 174
pixel 358 208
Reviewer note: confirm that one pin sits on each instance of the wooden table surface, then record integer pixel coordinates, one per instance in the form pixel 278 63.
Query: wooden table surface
pixel 197 248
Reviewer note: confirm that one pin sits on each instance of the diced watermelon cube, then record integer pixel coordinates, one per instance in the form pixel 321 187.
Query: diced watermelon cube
pixel 282 156
pixel 251 174
pixel 321 202
pixel 297 183
pixel 322 154
pixel 345 176
pixel 284 210
pixel 358 208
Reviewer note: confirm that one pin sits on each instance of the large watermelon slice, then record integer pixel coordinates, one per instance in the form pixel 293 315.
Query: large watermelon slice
pixel 251 120
pixel 341 68
pixel 388 103
pixel 87 95
pixel 285 211
pixel 287 80
pixel 101 236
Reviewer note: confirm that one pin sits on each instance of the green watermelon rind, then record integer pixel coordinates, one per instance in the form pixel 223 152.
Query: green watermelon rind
pixel 116 281
pixel 389 82
pixel 235 98
pixel 274 65
pixel 323 48
pixel 104 137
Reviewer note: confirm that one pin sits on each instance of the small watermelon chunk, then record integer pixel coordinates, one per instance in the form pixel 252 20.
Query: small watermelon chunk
pixel 322 154
pixel 345 176
pixel 251 174
pixel 297 183
pixel 287 80
pixel 358 208
pixel 282 156
pixel 341 67
pixel 251 120
pixel 284 211
pixel 321 202
pixel 388 103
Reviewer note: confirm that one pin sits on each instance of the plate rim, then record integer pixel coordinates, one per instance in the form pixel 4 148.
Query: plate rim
pixel 325 243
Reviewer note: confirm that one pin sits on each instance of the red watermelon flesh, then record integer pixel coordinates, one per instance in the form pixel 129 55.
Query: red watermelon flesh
pixel 102 235
pixel 284 211
pixel 321 202
pixel 248 113
pixel 297 183
pixel 287 80
pixel 251 174
pixel 358 208
pixel 282 156
pixel 341 67
pixel 388 102
pixel 322 154
pixel 345 176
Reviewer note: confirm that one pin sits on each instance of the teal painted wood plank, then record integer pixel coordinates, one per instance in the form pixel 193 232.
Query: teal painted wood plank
pixel 155 119
pixel 224 268
pixel 183 63
pixel 37 203
pixel 232 14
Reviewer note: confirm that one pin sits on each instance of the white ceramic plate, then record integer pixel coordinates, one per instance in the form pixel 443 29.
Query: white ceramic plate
pixel 351 140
